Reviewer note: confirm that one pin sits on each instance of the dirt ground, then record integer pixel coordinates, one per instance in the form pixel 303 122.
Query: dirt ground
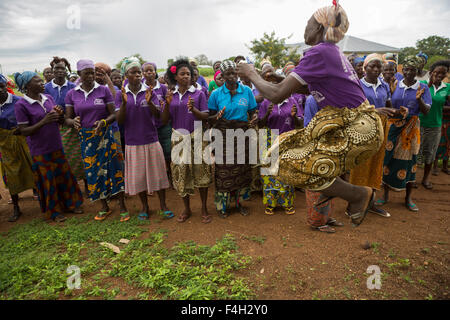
pixel 291 261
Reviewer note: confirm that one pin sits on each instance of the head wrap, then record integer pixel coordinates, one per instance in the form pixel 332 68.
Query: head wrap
pixel 390 56
pixel 216 74
pixel 422 55
pixel 289 66
pixel 358 60
pixel 372 57
pixel 3 79
pixel 103 66
pixel 22 79
pixel 412 61
pixel 391 62
pixel 335 21
pixel 129 63
pixel 227 64
pixel 85 64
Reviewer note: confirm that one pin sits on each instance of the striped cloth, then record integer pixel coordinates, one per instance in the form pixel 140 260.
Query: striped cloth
pixel 72 150
pixel 145 168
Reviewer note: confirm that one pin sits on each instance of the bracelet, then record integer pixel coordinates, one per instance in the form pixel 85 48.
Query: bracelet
pixel 103 120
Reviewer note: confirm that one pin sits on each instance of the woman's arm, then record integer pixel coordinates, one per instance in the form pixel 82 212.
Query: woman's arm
pixel 50 117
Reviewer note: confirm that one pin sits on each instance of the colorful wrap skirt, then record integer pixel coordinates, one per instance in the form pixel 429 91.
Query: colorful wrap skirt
pixel 57 187
pixel 103 163
pixel 370 173
pixel 334 142
pixel 16 163
pixel 72 149
pixel 402 147
pixel 317 215
pixel 186 177
pixel 145 169
pixel 443 150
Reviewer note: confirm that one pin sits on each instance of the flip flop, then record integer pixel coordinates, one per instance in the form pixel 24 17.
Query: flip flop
pixel 124 216
pixel 380 212
pixel 143 216
pixel 326 228
pixel 182 218
pixel 101 215
pixel 269 211
pixel 59 218
pixel 411 207
pixel 289 210
pixel 380 202
pixel 333 222
pixel 206 219
pixel 166 214
pixel 428 185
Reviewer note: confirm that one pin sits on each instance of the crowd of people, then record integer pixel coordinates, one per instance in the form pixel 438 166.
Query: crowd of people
pixel 349 126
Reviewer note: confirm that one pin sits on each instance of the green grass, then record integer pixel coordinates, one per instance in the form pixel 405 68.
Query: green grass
pixel 35 257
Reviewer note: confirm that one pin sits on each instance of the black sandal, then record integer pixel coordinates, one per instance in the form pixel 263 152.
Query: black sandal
pixel 358 218
pixel 333 222
pixel 326 228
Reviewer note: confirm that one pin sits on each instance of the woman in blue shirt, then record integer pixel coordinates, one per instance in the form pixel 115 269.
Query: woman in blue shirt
pixel 403 142
pixel 230 107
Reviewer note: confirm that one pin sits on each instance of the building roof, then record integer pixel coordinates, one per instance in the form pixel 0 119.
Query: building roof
pixel 353 44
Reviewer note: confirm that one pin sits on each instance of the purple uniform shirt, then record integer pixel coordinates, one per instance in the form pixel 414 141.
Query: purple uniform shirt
pixel 280 118
pixel 406 97
pixel 330 77
pixel 139 125
pixel 300 99
pixel 311 108
pixel 29 112
pixel 202 89
pixel 377 94
pixel 181 117
pixel 59 93
pixel 90 106
pixel 7 114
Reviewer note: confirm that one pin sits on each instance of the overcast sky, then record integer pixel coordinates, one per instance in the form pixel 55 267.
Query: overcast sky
pixel 32 32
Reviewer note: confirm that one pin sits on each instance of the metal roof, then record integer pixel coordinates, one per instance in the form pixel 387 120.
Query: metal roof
pixel 353 44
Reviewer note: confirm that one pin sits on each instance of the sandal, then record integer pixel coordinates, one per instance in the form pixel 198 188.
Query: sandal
pixel 243 211
pixel 182 218
pixel 380 202
pixel 358 218
pixel 101 215
pixel 15 216
pixel 428 185
pixel 59 218
pixel 289 210
pixel 223 214
pixel 269 210
pixel 333 222
pixel 326 228
pixel 380 212
pixel 206 219
pixel 411 207
pixel 166 214
pixel 143 216
pixel 124 216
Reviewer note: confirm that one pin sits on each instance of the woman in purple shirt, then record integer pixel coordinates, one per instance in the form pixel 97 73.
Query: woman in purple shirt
pixel 403 141
pixel 15 158
pixel 326 73
pixel 90 109
pixel 38 118
pixel 186 107
pixel 145 169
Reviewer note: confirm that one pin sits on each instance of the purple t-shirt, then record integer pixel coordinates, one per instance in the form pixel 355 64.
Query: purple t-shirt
pixel 300 99
pixel 280 118
pixel 139 123
pixel 330 77
pixel 160 90
pixel 406 97
pixel 59 93
pixel 91 106
pixel 181 117
pixel 377 94
pixel 47 139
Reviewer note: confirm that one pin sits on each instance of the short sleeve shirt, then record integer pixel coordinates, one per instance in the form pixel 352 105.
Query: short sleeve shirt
pixel 140 128
pixel 377 94
pixel 439 96
pixel 330 77
pixel 59 93
pixel 7 115
pixel 160 91
pixel 181 117
pixel 90 106
pixel 280 118
pixel 237 106
pixel 406 97
pixel 29 112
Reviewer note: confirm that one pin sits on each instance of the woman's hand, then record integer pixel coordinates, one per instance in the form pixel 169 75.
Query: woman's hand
pixel 294 111
pixel 124 97
pixel 77 123
pixel 148 94
pixel 403 112
pixel 245 69
pixel 52 116
pixel 388 112
pixel 190 104
pixel 220 113
pixel 254 119
pixel 169 97
pixel 393 84
pixel 419 93
pixel 99 124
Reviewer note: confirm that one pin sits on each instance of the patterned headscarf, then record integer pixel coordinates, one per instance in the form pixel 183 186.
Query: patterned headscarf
pixel 391 62
pixel 423 55
pixel 103 66
pixel 22 79
pixel 288 67
pixel 335 21
pixel 372 57
pixel 129 63
pixel 412 61
pixel 227 64
pixel 358 60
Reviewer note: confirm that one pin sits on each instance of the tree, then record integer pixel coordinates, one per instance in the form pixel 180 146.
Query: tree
pixel 404 52
pixel 434 46
pixel 275 49
pixel 137 55
pixel 203 60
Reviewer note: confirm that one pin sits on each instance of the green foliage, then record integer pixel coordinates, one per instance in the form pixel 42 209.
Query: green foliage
pixel 273 48
pixel 407 51
pixel 206 72
pixel 434 46
pixel 35 257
